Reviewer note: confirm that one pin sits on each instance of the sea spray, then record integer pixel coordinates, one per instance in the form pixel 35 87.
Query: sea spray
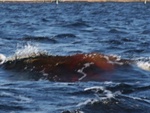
pixel 27 51
pixel 143 63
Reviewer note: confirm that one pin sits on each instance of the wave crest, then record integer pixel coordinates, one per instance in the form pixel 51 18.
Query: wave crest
pixel 26 52
pixel 144 63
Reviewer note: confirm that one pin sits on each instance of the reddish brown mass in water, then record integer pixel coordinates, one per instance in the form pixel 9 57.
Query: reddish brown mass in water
pixel 84 67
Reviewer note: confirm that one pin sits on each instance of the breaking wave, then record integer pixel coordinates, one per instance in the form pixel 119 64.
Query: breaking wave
pixel 27 51
pixel 111 96
pixel 77 67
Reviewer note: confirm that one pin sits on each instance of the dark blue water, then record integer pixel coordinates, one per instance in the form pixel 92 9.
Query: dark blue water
pixel 121 29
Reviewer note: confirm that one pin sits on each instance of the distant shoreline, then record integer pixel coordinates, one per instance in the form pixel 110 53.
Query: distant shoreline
pixel 75 1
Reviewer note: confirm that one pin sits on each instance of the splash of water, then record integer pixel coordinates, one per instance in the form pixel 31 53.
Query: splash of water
pixel 143 63
pixel 105 94
pixel 101 93
pixel 26 52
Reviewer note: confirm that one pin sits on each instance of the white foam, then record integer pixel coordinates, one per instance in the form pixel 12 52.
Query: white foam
pixel 89 101
pixel 104 95
pixel 116 61
pixel 27 51
pixel 82 72
pixel 109 94
pixel 94 88
pixel 118 58
pixel 108 82
pixel 2 59
pixel 143 65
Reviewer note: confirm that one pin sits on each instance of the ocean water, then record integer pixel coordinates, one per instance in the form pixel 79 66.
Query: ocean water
pixel 118 29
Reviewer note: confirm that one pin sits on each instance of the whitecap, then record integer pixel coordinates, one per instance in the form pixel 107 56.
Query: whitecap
pixel 26 52
pixel 89 101
pixel 101 92
pixel 94 88
pixel 143 63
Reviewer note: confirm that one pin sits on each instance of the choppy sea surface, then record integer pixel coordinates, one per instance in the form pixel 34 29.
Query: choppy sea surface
pixel 120 29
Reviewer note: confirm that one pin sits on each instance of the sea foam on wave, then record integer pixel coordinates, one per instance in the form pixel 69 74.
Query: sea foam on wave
pixel 102 95
pixel 143 63
pixel 101 92
pixel 26 52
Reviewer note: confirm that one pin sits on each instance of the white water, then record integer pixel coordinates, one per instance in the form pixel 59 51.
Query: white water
pixel 27 51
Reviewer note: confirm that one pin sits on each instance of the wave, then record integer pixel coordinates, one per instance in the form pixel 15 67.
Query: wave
pixel 39 39
pixel 34 38
pixel 71 68
pixel 66 35
pixel 146 32
pixel 78 24
pixel 117 31
pixel 114 96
